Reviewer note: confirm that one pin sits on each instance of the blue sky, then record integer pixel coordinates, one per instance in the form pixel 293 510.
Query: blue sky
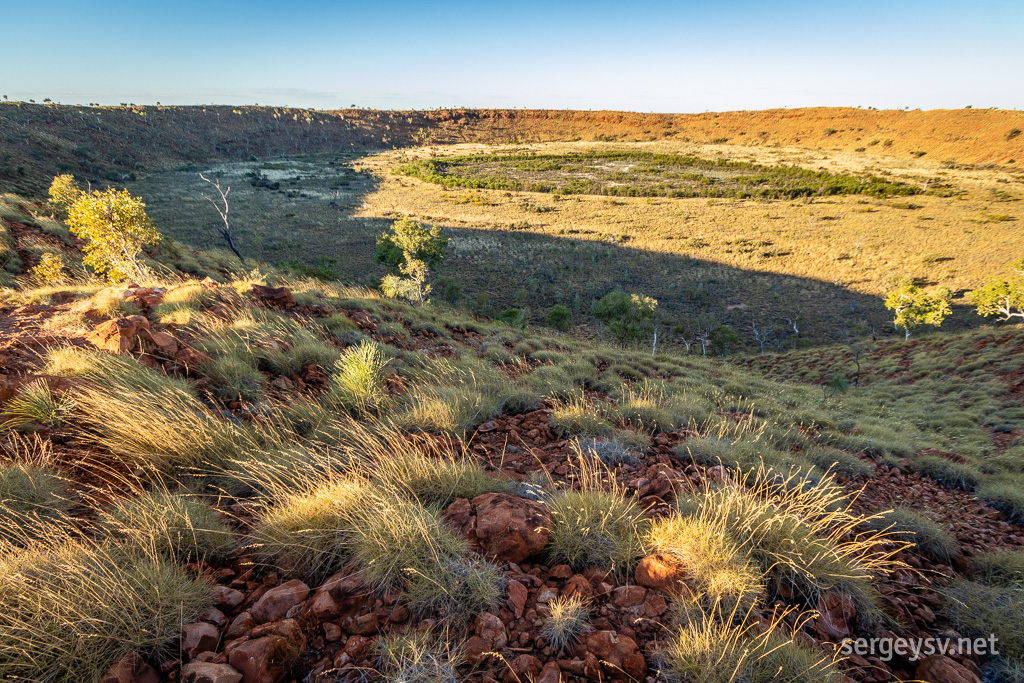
pixel 640 56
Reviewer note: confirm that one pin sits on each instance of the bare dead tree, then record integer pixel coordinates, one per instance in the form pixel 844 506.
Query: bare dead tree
pixel 760 336
pixel 225 232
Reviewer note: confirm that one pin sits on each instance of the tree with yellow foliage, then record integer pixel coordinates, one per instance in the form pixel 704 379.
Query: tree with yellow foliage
pixel 115 227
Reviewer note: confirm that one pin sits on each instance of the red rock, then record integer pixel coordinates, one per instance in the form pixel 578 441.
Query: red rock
pixel 551 673
pixel 560 572
pixel 209 283
pixel 618 654
pixel 517 594
pixel 121 334
pixel 661 571
pixel 523 668
pixel 268 655
pixel 240 626
pixel 131 668
pixel 357 648
pixel 227 598
pixel 206 672
pixel 275 603
pixel 212 615
pixel 941 669
pixel 275 297
pixel 629 596
pixel 504 527
pixel 835 612
pixel 165 342
pixel 490 628
pixel 578 585
pixel 199 637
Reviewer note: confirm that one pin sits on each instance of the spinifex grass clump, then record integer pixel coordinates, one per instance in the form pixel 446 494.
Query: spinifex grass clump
pixel 358 378
pixel 435 479
pixel 716 566
pixel 172 524
pixel 70 609
pixel 922 532
pixel 580 417
pixel 802 532
pixel 416 658
pixel 711 649
pixel 568 618
pixel 595 524
pixel 36 404
pixel 33 494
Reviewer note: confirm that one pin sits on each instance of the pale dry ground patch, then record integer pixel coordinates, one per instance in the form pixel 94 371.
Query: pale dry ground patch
pixel 853 241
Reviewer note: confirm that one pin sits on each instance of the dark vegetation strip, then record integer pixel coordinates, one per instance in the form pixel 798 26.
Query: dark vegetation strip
pixel 754 180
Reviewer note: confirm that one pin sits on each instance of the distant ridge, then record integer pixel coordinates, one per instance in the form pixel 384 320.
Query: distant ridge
pixel 40 140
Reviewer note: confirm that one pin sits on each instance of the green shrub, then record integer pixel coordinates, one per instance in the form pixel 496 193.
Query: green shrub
pixel 171 524
pixel 69 610
pixel 434 480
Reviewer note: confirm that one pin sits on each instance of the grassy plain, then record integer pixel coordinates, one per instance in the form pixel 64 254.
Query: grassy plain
pixel 824 263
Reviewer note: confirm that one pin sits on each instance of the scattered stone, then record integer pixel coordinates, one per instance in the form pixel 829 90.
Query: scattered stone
pixel 273 297
pixel 661 571
pixel 276 602
pixel 208 672
pixel 942 669
pixel 504 527
pixel 131 668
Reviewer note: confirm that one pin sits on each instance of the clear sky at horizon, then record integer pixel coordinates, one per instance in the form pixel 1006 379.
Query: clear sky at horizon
pixel 641 56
